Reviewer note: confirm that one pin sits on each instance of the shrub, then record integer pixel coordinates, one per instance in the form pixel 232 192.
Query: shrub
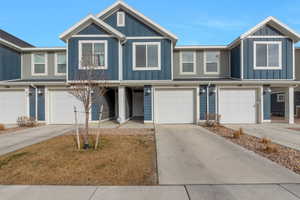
pixel 212 120
pixel 2 127
pixel 265 141
pixel 237 134
pixel 271 148
pixel 24 121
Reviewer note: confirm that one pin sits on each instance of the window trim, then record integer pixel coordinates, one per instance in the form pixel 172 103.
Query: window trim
pixel 56 64
pixel 33 63
pixel 134 44
pixel 280 96
pixel 194 63
pixel 218 63
pixel 80 42
pixel 267 67
pixel 119 14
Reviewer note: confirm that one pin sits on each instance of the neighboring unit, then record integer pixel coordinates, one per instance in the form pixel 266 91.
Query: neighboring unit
pixel 150 78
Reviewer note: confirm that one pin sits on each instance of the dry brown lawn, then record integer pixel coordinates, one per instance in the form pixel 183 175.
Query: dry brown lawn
pixel 120 160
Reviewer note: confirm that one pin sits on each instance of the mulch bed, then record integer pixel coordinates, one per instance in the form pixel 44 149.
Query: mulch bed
pixel 286 157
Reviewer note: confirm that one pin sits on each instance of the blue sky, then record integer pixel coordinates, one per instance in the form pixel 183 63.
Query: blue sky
pixel 195 22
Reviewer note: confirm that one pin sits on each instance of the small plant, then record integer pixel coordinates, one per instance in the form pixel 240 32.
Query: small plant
pixel 212 120
pixel 24 121
pixel 237 134
pixel 271 148
pixel 265 141
pixel 2 127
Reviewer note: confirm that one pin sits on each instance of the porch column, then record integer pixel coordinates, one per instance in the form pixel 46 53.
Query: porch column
pixel 289 105
pixel 121 104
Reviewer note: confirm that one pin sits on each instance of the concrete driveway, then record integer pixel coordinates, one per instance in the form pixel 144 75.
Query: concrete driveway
pixel 279 133
pixel 190 154
pixel 10 142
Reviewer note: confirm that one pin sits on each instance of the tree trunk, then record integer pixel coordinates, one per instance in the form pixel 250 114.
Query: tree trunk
pixel 86 134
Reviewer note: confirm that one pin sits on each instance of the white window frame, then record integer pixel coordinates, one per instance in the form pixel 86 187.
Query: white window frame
pixel 120 14
pixel 56 64
pixel 267 67
pixel 182 62
pixel 33 63
pixel 93 42
pixel 280 98
pixel 218 63
pixel 134 44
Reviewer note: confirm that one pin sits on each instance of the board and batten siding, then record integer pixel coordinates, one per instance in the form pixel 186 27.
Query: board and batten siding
pixel 297 64
pixel 287 60
pixel 224 65
pixel 27 66
pixel 235 62
pixel 163 74
pixel 10 64
pixel 111 73
pixel 267 30
pixel 147 104
pixel 133 27
pixel 40 103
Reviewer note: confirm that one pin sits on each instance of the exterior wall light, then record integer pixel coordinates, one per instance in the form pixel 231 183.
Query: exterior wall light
pixel 202 91
pixel 213 90
pixel 40 92
pixel 148 91
pixel 268 90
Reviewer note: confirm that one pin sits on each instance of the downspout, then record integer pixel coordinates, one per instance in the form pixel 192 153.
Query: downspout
pixel 36 100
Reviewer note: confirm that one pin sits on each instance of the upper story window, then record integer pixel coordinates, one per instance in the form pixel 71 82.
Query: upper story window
pixel 93 54
pixel 211 62
pixel 146 56
pixel 187 62
pixel 120 19
pixel 39 64
pixel 267 55
pixel 60 64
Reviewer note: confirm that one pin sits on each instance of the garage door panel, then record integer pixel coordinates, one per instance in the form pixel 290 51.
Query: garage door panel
pixel 175 106
pixel 238 105
pixel 62 108
pixel 12 105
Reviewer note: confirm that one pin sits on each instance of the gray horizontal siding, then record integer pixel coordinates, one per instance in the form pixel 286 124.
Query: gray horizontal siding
pixel 27 67
pixel 287 60
pixel 113 51
pixel 133 26
pixel 235 61
pixel 267 30
pixel 10 64
pixel 163 74
pixel 224 65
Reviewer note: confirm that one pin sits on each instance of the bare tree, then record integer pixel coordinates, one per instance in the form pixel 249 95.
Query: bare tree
pixel 88 87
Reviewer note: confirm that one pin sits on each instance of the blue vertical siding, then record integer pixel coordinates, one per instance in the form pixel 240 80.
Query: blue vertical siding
pixel 93 29
pixel 147 104
pixel 10 64
pixel 113 59
pixel 163 74
pixel 32 102
pixel 235 54
pixel 212 100
pixel 267 30
pixel 41 104
pixel 133 26
pixel 287 60
pixel 203 102
pixel 267 105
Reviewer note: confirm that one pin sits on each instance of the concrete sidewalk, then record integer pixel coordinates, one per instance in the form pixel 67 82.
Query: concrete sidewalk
pixel 10 142
pixel 179 192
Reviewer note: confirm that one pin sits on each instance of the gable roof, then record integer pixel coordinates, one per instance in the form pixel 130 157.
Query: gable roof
pixel 11 39
pixel 120 4
pixel 273 22
pixel 86 22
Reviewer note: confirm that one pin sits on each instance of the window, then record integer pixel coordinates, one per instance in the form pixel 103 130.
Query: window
pixel 121 19
pixel 211 62
pixel 280 98
pixel 93 54
pixel 267 55
pixel 146 56
pixel 188 62
pixel 39 64
pixel 60 64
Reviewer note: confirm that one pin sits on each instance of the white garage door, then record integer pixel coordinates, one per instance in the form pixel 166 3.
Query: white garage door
pixel 238 106
pixel 62 108
pixel 174 106
pixel 12 106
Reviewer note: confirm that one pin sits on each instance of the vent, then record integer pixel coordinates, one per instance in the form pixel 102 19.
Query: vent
pixel 120 19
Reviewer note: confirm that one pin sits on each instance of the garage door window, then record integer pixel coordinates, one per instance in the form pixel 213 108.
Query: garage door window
pixel 188 62
pixel 211 62
pixel 39 64
pixel 146 56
